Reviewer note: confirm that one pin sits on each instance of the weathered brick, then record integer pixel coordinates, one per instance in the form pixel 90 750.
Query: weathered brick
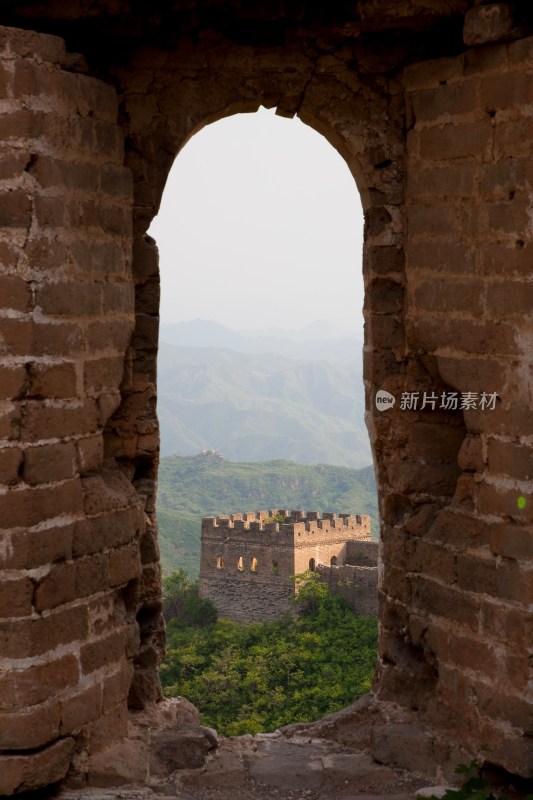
pixel 116 687
pixel 441 257
pixel 23 773
pixel 29 506
pixel 473 654
pixel 107 531
pixel 10 462
pixel 29 728
pixel 447 295
pixel 49 462
pixel 52 381
pixel 15 293
pixel 118 298
pixel 448 100
pixel 470 457
pixel 470 374
pixel 467 140
pixel 511 138
pixel 13 381
pixel 109 335
pixel 432 73
pixel 503 177
pixel 52 172
pixel 446 601
pixel 476 574
pixel 512 541
pixel 46 251
pixel 514 583
pixel 124 564
pixel 25 336
pixel 510 216
pixel 56 588
pixel 384 296
pixel 15 209
pixel 27 550
pixel 511 625
pixel 92 574
pixel 23 123
pixel 385 330
pixel 103 652
pixel 81 708
pixel 433 220
pixel 466 336
pixel 90 453
pixel 21 688
pixel 384 260
pixel 52 421
pixel 502 502
pixel 16 598
pixel 106 258
pixel 103 373
pixel 510 458
pixel 110 727
pixel 69 299
pixel 506 298
pixel 434 560
pixel 485 59
pixel 438 183
pixel 26 638
pixel 508 89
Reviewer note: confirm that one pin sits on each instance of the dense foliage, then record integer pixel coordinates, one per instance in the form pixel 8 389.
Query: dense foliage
pixel 258 676
pixel 183 604
pixel 191 487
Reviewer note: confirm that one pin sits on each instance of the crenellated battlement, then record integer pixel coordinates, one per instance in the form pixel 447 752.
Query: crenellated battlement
pixel 248 560
pixel 295 523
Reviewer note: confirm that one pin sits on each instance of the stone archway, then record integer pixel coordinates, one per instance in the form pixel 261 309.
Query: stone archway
pixel 364 119
pixel 441 150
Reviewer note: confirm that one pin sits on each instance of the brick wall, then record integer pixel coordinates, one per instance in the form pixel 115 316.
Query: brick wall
pixel 468 293
pixel 69 522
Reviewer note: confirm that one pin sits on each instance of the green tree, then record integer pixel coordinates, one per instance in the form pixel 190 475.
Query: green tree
pixel 258 676
pixel 182 603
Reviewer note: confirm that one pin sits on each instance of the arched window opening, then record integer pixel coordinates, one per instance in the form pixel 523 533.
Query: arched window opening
pixel 210 266
pixel 333 561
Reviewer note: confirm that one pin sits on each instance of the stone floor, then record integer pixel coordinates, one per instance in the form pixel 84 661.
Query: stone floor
pixel 342 757
pixel 270 766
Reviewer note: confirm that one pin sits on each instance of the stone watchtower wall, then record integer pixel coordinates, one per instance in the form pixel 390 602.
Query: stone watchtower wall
pixel 247 563
pixel 357 580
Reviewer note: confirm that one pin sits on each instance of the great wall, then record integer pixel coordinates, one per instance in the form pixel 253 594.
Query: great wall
pixel 248 561
pixel 430 103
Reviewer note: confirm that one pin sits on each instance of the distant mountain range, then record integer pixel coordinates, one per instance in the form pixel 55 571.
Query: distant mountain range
pixel 205 485
pixel 255 397
pixel 319 341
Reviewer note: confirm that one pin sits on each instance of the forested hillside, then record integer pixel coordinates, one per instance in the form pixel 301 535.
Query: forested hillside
pixel 191 487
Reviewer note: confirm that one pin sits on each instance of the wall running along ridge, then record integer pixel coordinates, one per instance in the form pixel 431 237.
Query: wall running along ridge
pixel 247 564
pixel 430 104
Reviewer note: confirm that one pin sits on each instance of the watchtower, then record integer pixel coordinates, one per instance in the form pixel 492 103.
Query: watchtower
pixel 248 560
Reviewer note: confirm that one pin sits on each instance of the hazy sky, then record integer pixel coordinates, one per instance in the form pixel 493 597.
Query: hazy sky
pixel 260 225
